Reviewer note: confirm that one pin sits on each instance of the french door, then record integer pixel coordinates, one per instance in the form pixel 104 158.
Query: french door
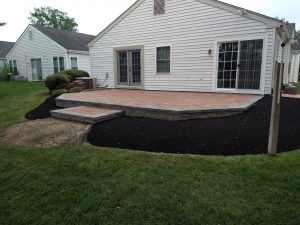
pixel 129 67
pixel 36 67
pixel 239 65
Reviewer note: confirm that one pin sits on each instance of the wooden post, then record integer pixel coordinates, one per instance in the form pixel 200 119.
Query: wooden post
pixel 275 114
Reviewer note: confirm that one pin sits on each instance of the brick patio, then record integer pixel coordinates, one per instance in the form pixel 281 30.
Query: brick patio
pixel 162 104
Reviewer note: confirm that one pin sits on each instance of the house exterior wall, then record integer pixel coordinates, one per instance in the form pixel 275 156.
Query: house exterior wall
pixel 40 47
pixel 191 28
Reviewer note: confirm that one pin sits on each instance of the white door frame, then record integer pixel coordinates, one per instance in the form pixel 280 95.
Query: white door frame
pixel 263 66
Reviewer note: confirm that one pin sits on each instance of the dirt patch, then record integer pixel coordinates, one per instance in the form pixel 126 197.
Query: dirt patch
pixel 43 110
pixel 236 135
pixel 45 133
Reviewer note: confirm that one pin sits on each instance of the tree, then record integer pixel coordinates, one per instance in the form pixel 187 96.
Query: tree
pixel 2 24
pixel 298 32
pixel 49 17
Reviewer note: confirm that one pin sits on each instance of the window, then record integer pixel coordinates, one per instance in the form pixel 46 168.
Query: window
pixel 58 64
pixel 13 66
pixel 74 64
pixel 30 35
pixel 55 64
pixel 159 7
pixel 163 56
pixel 61 64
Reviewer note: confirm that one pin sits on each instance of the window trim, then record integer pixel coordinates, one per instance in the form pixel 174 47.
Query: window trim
pixel 74 57
pixel 171 51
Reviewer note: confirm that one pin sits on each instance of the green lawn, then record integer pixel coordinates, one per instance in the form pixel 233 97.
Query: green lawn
pixel 297 85
pixel 88 185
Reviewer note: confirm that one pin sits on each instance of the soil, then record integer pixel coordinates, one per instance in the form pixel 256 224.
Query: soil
pixel 45 133
pixel 236 135
pixel 43 110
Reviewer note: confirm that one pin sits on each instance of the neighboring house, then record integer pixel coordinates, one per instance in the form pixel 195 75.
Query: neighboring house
pixel 4 49
pixel 190 45
pixel 295 68
pixel 41 51
pixel 288 54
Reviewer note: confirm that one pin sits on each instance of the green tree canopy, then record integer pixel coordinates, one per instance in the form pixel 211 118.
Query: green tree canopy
pixel 49 17
pixel 2 24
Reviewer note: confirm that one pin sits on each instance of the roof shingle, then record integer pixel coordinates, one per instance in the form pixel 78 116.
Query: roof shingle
pixel 68 39
pixel 5 48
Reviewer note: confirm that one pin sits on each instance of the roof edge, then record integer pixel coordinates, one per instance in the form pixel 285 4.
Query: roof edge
pixel 243 12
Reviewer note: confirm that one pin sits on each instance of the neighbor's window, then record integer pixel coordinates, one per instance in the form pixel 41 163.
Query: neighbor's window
pixel 58 64
pixel 55 64
pixel 74 64
pixel 163 58
pixel 13 66
pixel 159 7
pixel 61 64
pixel 30 35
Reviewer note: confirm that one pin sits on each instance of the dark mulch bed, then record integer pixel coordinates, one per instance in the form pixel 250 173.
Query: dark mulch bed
pixel 236 135
pixel 43 110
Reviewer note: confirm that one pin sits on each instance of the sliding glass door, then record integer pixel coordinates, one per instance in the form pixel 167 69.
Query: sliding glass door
pixel 239 65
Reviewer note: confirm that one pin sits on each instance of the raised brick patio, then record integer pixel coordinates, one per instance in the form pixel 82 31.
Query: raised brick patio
pixel 162 104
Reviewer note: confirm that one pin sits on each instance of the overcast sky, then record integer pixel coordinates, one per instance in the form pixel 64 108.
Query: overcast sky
pixel 94 15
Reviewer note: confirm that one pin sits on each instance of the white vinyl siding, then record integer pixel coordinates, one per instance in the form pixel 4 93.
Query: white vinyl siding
pixel 192 28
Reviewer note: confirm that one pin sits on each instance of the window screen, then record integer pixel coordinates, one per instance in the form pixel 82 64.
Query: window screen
pixel 163 56
pixel 159 7
pixel 61 64
pixel 55 64
pixel 74 64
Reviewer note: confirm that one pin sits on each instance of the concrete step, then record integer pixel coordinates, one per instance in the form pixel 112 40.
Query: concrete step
pixel 86 114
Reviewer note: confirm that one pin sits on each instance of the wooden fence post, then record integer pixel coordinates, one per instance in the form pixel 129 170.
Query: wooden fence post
pixel 275 114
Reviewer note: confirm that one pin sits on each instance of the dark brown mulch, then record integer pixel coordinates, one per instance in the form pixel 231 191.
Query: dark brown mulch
pixel 43 110
pixel 236 135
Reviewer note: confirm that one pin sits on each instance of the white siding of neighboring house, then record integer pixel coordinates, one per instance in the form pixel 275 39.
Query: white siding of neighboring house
pixel 83 61
pixel 295 66
pixel 40 47
pixel 191 28
pixel 287 59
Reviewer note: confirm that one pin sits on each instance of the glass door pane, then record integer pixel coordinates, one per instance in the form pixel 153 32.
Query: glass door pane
pixel 135 67
pixel 250 64
pixel 122 68
pixel 227 65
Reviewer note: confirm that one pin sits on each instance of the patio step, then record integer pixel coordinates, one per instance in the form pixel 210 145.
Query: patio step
pixel 86 114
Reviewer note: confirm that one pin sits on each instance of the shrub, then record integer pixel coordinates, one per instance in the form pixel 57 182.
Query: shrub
pixel 76 73
pixel 56 81
pixel 59 92
pixel 4 73
pixel 75 89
